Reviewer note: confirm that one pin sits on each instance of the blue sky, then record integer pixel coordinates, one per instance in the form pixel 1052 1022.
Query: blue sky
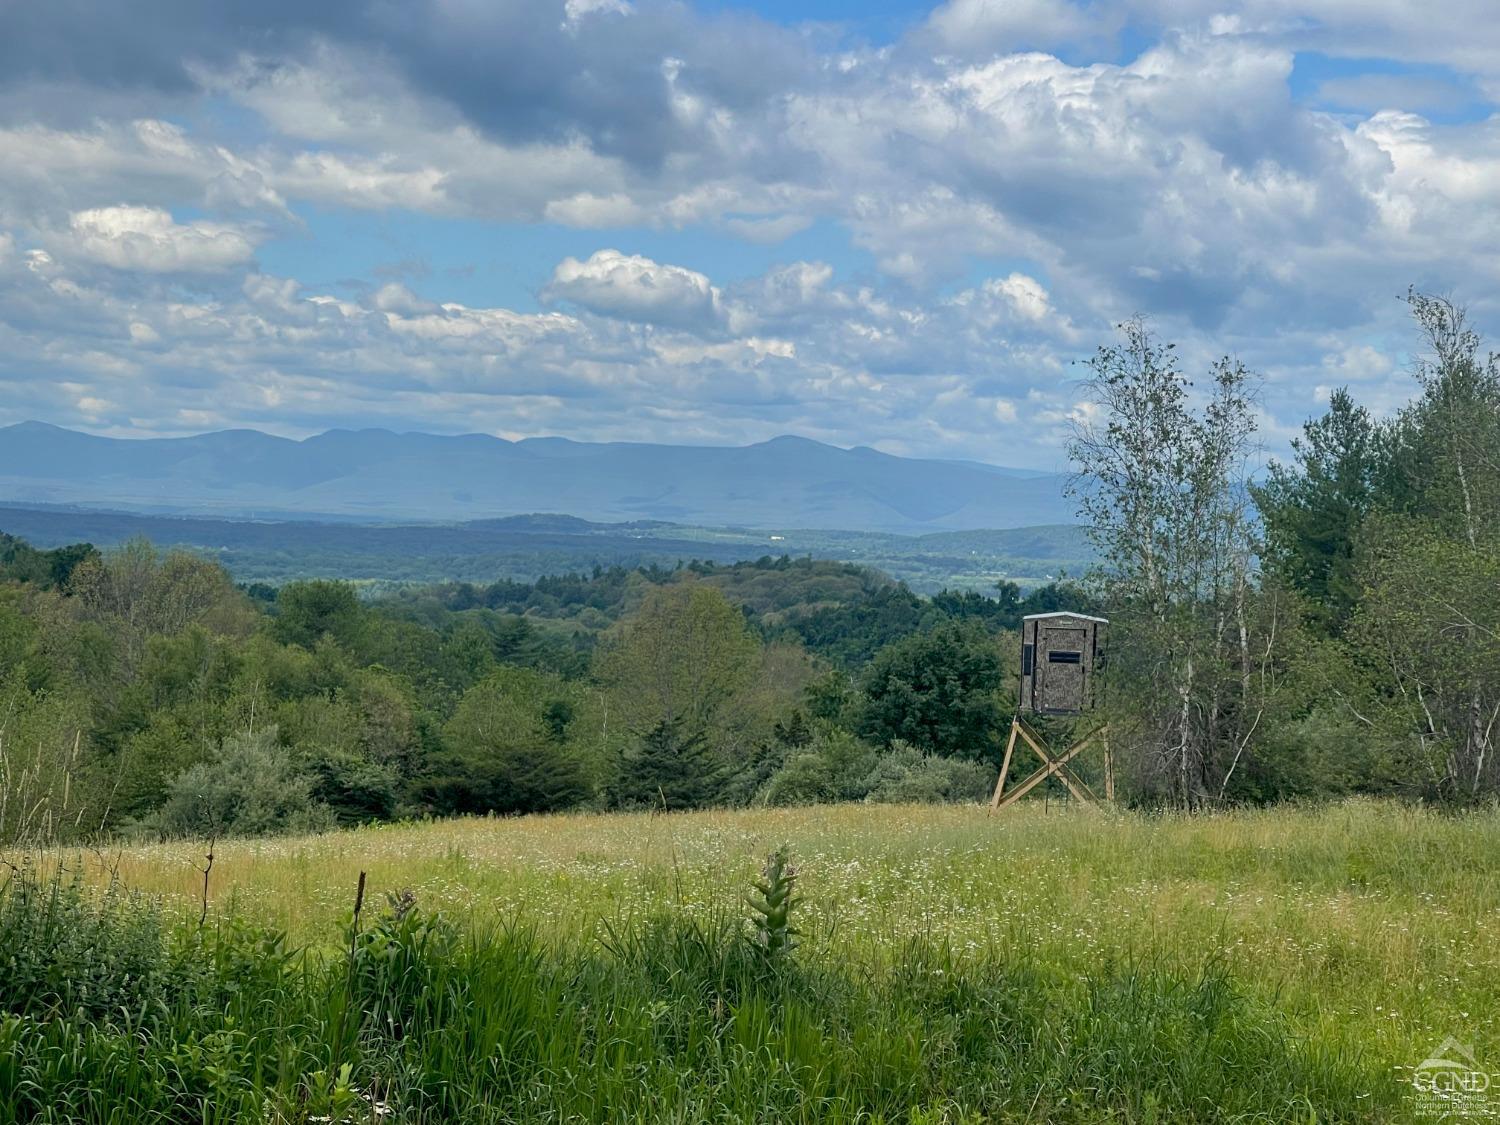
pixel 875 223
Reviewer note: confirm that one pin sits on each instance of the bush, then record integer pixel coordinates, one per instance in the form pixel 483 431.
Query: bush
pixel 252 787
pixel 354 788
pixel 904 774
pixel 838 767
pixel 62 951
pixel 835 766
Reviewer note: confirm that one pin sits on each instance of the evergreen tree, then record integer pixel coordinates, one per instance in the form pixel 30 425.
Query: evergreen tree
pixel 670 767
pixel 1313 511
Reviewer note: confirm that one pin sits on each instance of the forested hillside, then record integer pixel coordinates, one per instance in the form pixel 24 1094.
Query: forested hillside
pixel 529 547
pixel 147 693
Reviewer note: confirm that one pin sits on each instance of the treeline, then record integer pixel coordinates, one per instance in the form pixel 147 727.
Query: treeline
pixel 146 693
pixel 1333 628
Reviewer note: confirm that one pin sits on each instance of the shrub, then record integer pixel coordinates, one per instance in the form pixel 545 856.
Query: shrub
pixel 252 787
pixel 63 951
pixel 838 767
pixel 835 766
pixel 904 774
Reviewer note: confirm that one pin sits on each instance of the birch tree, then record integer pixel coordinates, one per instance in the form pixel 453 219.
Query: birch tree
pixel 1428 628
pixel 1161 484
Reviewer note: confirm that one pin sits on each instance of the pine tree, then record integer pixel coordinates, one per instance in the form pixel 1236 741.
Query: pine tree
pixel 670 767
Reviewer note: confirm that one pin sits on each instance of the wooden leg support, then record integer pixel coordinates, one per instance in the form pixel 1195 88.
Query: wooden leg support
pixel 1075 785
pixel 1010 748
pixel 1052 767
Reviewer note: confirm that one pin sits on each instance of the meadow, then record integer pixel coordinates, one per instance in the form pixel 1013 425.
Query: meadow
pixel 1047 964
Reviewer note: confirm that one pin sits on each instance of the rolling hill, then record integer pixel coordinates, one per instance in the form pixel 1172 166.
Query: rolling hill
pixel 527 547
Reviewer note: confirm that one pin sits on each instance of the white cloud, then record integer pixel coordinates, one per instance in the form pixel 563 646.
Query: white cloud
pixel 1358 363
pixel 1025 295
pixel 395 298
pixel 147 238
pixel 576 11
pixel 589 210
pixel 277 354
pixel 636 288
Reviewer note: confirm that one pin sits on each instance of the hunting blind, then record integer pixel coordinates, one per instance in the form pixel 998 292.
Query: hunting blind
pixel 1060 652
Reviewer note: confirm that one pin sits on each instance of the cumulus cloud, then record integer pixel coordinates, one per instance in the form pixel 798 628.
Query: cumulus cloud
pixel 636 288
pixel 147 238
pixel 952 217
pixel 1024 294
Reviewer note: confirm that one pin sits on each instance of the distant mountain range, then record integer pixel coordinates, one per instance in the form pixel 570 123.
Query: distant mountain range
pixel 787 482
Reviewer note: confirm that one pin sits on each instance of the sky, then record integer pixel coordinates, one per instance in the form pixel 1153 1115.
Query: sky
pixel 866 222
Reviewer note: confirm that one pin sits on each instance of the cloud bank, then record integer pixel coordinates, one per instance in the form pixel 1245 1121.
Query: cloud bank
pixel 905 243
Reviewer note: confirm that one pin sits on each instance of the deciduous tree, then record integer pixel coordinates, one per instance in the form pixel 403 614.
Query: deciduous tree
pixel 1161 484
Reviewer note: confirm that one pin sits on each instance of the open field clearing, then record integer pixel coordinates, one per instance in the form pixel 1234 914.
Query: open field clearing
pixel 1364 934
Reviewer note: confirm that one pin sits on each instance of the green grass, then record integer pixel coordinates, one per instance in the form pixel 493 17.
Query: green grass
pixel 1057 965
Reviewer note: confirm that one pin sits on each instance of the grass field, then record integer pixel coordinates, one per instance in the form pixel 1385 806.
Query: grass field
pixel 1359 936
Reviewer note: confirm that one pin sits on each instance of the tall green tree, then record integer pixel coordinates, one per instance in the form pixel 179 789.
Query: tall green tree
pixel 1314 509
pixel 1447 442
pixel 938 690
pixel 679 660
pixel 51 570
pixel 1427 627
pixel 507 747
pixel 1161 485
pixel 309 611
pixel 135 592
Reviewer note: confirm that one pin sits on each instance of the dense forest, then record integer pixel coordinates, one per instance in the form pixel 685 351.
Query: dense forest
pixel 1332 628
pixel 147 693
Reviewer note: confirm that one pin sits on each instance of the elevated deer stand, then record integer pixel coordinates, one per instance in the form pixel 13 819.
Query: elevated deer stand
pixel 1059 654
pixel 1053 766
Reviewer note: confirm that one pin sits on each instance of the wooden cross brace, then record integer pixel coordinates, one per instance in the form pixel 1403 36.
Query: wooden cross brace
pixel 1052 766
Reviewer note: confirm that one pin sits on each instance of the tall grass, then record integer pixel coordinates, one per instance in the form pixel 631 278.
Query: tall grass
pixel 1262 965
pixel 670 1019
